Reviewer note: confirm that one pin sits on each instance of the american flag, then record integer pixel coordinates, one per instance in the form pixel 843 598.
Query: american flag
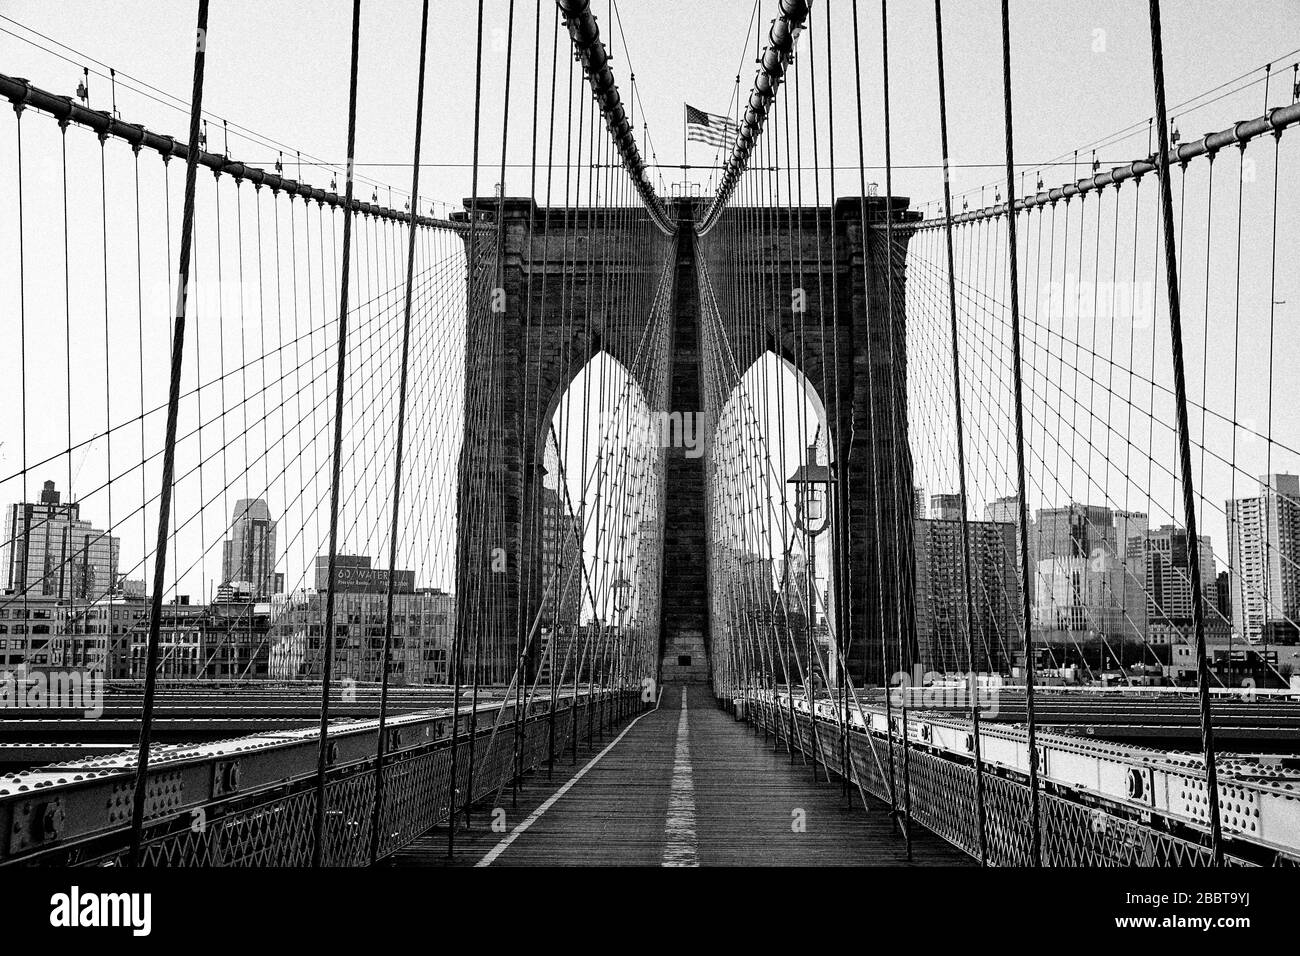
pixel 709 128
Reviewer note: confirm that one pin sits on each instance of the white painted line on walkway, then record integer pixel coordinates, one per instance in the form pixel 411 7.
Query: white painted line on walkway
pixel 550 801
pixel 680 845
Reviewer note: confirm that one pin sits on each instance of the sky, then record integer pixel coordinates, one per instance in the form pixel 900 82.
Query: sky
pixel 277 74
pixel 280 67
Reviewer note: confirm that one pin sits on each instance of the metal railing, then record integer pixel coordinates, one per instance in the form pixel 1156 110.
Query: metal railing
pixel 251 801
pixel 942 794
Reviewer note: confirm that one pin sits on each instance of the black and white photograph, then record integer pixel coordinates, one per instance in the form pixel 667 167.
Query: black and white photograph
pixel 838 445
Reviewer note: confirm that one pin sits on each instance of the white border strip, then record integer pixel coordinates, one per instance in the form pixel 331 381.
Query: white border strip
pixel 679 828
pixel 550 801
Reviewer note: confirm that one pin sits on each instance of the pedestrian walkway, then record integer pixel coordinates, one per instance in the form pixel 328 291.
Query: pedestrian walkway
pixel 684 785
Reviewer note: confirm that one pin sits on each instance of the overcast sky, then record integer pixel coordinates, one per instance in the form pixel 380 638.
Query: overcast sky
pixel 280 69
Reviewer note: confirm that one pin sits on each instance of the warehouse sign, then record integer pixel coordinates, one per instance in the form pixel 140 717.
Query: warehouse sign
pixel 350 579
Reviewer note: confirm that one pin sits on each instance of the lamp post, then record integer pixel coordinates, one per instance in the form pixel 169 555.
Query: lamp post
pixel 622 589
pixel 812 514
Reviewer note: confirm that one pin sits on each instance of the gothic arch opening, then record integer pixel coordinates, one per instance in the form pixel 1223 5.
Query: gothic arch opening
pixel 600 517
pixel 770 559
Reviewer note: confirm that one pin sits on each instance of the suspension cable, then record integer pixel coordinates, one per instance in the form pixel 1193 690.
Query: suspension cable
pixel 169 448
pixel 961 448
pixel 387 653
pixel 1184 441
pixel 1013 297
pixel 322 763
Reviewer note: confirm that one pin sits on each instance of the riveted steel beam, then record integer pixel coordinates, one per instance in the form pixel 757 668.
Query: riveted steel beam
pixel 1238 134
pixel 66 110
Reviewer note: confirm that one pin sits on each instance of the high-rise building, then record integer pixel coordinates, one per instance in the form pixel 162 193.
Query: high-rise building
pixel 424 623
pixel 1073 531
pixel 1223 594
pixel 1264 560
pixel 1166 558
pixel 792 582
pixel 1164 555
pixel 228 639
pixel 1090 572
pixel 1131 528
pixel 1005 510
pixel 789 610
pixel 752 578
pixel 248 555
pixel 941 595
pixel 945 507
pixel 561 531
pixel 46 548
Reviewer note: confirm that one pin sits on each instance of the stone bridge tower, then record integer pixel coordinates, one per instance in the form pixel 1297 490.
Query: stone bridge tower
pixel 549 271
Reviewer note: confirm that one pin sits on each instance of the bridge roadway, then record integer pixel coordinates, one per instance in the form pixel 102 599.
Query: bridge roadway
pixel 198 711
pixel 683 785
pixel 1159 717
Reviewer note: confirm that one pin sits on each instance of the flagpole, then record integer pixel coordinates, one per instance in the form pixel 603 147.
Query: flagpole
pixel 683 147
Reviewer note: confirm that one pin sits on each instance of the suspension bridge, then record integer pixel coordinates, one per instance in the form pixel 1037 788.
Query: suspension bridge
pixel 777 518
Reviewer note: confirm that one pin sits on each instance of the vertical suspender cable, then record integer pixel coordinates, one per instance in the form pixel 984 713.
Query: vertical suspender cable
pixel 972 687
pixel 169 446
pixel 866 272
pixel 492 440
pixel 842 644
pixel 318 830
pixel 1184 437
pixel 401 437
pixel 1036 845
pixel 529 553
pixel 904 514
pixel 554 640
pixel 462 609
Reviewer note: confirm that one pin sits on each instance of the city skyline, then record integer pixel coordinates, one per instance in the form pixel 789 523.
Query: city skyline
pixel 760 433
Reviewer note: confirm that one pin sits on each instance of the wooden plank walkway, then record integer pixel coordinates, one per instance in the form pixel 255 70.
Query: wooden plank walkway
pixel 684 785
